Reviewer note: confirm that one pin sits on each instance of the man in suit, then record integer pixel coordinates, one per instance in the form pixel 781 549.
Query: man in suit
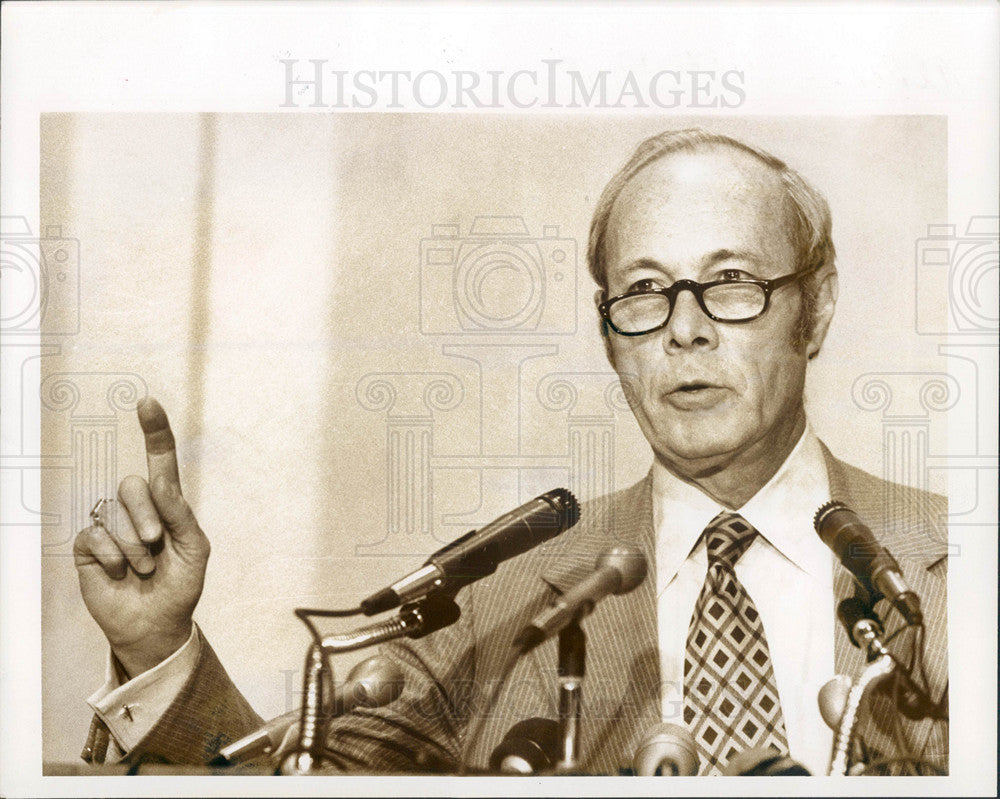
pixel 717 285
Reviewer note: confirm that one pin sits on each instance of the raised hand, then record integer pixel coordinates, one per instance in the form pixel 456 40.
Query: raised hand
pixel 142 568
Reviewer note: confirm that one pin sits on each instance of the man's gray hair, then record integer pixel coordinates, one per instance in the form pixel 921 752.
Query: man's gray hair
pixel 808 224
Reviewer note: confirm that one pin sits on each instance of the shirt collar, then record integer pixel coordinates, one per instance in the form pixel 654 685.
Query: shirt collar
pixel 782 511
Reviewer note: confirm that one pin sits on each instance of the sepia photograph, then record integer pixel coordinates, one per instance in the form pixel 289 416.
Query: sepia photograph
pixel 546 422
pixel 340 344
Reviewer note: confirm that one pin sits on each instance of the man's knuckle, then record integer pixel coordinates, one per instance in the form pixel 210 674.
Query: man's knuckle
pixel 91 538
pixel 132 549
pixel 81 540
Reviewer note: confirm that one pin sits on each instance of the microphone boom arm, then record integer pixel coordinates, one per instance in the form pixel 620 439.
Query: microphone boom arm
pixel 415 620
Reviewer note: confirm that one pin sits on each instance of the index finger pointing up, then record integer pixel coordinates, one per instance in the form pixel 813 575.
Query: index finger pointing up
pixel 161 453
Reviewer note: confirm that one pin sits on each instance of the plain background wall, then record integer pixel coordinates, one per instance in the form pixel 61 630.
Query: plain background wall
pixel 251 272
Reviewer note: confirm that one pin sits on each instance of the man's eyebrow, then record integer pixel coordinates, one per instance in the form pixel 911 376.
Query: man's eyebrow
pixel 644 263
pixel 718 256
pixel 708 261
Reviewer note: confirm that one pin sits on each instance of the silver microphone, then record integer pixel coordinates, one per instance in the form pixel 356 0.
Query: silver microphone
pixel 855 545
pixel 833 700
pixel 617 571
pixel 529 747
pixel 371 683
pixel 668 750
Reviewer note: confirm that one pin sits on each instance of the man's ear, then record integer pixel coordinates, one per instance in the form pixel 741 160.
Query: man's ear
pixel 602 328
pixel 826 301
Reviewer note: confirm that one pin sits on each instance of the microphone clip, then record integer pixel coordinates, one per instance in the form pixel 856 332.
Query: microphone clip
pixel 862 624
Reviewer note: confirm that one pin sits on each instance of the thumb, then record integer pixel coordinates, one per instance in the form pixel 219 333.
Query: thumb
pixel 174 510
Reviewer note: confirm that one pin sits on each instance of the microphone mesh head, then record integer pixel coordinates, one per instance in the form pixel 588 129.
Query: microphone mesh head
pixel 565 505
pixel 380 678
pixel 833 700
pixel 529 747
pixel 629 562
pixel 824 511
pixel 667 747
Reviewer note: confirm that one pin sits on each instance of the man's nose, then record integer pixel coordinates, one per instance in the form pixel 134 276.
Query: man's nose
pixel 688 326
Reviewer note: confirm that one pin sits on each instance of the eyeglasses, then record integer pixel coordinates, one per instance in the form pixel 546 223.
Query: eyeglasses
pixel 641 312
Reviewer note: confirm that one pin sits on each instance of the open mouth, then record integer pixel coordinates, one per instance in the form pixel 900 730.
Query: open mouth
pixel 695 396
pixel 691 388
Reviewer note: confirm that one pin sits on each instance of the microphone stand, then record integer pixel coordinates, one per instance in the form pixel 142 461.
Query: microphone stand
pixel 317 686
pixel 866 633
pixel 414 620
pixel 572 669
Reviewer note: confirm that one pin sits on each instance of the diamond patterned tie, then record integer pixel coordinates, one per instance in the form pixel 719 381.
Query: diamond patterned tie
pixel 730 697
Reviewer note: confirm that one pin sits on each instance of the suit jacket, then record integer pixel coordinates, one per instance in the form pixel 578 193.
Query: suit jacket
pixel 450 674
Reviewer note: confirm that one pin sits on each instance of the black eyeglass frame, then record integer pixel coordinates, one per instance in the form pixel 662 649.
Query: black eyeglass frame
pixel 698 289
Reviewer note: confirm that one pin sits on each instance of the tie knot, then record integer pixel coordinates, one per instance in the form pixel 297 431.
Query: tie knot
pixel 727 537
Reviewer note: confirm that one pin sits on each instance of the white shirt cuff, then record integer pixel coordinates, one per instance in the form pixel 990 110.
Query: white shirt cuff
pixel 131 710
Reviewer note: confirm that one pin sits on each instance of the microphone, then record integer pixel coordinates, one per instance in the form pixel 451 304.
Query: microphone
pixel 617 571
pixel 529 747
pixel 853 543
pixel 833 700
pixel 371 683
pixel 668 750
pixel 478 553
pixel 764 762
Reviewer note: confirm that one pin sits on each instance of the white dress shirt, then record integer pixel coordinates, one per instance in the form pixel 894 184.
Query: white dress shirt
pixel 788 572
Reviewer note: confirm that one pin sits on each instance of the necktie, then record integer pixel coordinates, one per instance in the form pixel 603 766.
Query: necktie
pixel 730 697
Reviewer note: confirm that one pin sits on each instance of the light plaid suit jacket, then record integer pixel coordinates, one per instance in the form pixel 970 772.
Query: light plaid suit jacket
pixel 450 673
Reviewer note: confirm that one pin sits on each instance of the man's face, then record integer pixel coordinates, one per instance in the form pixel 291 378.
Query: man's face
pixel 704 392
